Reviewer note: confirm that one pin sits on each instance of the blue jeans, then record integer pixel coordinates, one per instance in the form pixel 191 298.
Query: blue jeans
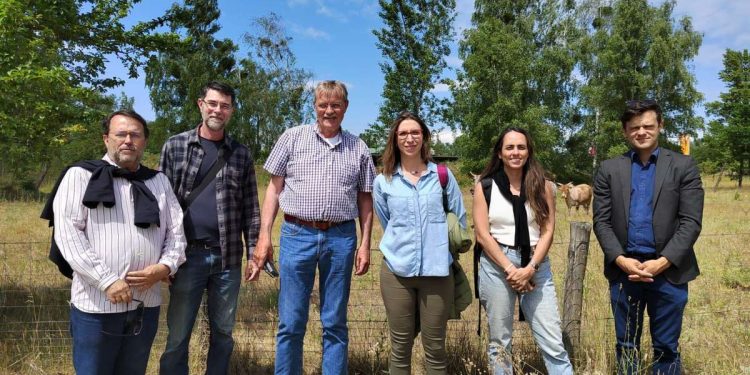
pixel 201 271
pixel 303 249
pixel 665 303
pixel 95 352
pixel 539 307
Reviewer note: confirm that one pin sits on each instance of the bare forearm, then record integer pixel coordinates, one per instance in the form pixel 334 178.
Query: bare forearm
pixel 270 206
pixel 364 203
pixel 492 250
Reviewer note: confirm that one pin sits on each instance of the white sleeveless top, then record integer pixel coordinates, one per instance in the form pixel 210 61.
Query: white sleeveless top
pixel 502 224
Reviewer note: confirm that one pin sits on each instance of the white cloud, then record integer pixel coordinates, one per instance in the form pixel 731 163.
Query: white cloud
pixel 720 20
pixel 310 32
pixel 440 88
pixel 723 24
pixel 339 10
pixel 331 12
pixel 710 56
pixel 447 135
pixel 453 60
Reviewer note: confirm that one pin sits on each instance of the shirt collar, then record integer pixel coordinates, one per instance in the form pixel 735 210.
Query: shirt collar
pixel 652 159
pixel 110 161
pixel 193 137
pixel 340 135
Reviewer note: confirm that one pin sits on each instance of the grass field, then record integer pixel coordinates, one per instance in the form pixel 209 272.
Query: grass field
pixel 715 338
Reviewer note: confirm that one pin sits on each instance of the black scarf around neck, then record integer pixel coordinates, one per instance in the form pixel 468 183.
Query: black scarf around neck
pixel 100 190
pixel 519 213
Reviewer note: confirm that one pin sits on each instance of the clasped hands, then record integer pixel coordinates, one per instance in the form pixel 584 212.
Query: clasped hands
pixel 520 278
pixel 121 290
pixel 642 271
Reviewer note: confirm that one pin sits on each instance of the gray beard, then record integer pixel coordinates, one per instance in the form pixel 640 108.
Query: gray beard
pixel 215 125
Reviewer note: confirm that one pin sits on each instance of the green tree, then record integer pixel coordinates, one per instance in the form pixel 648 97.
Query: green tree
pixel 272 91
pixel 415 40
pixel 516 72
pixel 176 76
pixel 632 50
pixel 52 71
pixel 729 134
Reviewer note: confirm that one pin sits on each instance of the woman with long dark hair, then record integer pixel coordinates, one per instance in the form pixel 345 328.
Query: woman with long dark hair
pixel 515 232
pixel 415 278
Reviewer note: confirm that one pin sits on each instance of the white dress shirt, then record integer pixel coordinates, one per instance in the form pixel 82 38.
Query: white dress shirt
pixel 103 244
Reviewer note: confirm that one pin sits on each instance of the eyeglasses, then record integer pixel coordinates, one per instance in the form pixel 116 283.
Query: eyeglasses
pixel 121 136
pixel 333 106
pixel 413 134
pixel 640 103
pixel 214 104
pixel 133 322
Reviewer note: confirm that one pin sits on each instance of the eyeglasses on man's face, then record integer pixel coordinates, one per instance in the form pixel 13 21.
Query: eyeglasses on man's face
pixel 121 136
pixel 133 322
pixel 213 104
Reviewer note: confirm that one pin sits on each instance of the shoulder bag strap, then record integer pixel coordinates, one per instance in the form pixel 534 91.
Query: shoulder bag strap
pixel 487 192
pixel 221 160
pixel 443 177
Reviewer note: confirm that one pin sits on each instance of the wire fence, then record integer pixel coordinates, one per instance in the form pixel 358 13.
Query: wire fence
pixel 34 310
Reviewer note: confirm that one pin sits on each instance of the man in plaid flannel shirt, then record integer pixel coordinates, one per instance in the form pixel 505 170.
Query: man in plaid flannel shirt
pixel 217 221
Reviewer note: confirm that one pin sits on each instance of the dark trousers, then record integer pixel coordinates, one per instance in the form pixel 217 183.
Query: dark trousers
pixel 665 303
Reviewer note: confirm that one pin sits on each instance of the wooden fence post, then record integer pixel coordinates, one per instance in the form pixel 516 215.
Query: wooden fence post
pixel 578 250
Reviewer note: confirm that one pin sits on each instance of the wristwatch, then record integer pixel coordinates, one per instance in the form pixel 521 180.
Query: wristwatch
pixel 534 265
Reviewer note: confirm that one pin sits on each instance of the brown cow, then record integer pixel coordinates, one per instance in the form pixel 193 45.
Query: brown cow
pixel 578 195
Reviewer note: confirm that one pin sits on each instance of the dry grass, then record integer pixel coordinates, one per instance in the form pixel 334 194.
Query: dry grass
pixel 715 340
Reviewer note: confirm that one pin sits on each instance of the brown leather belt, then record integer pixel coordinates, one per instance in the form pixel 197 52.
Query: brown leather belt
pixel 319 225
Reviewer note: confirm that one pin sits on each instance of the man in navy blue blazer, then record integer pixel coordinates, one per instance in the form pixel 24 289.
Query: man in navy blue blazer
pixel 648 207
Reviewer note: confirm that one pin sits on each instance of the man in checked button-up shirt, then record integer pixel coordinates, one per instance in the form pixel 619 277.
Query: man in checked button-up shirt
pixel 322 179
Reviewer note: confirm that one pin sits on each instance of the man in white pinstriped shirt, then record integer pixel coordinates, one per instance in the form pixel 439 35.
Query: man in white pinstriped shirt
pixel 117 260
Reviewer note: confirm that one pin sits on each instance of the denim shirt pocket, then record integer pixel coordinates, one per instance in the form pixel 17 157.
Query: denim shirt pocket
pixel 435 210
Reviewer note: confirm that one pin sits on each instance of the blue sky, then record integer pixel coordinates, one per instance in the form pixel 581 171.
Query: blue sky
pixel 333 39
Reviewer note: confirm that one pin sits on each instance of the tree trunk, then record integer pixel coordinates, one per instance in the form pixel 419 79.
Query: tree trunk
pixel 721 173
pixel 742 172
pixel 42 176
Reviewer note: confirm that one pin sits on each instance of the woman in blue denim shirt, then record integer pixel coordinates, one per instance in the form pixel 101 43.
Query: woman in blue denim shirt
pixel 415 278
pixel 516 234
